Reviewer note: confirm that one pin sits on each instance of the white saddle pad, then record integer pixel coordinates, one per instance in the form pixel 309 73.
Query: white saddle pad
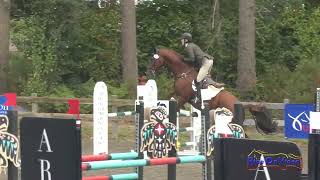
pixel 210 92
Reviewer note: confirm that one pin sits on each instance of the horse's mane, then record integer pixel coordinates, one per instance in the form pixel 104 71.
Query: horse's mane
pixel 170 52
pixel 174 55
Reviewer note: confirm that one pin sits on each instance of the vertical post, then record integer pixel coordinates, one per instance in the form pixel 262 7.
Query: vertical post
pixel 139 121
pixel 239 114
pixel 205 121
pixel 114 123
pixel 100 119
pixel 34 106
pixel 286 101
pixel 172 168
pixel 318 100
pixel 193 132
pixel 196 133
pixel 12 129
pixel 79 153
pixel 314 146
pixel 313 156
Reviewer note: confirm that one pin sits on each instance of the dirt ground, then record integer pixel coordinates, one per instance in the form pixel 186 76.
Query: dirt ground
pixel 123 141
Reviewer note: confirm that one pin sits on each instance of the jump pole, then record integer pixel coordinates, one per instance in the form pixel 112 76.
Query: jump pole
pixel 129 176
pixel 111 156
pixel 112 164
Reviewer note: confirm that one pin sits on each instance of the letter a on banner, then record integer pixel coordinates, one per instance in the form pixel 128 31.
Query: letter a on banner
pixel 44 141
pixel 265 169
pixel 100 118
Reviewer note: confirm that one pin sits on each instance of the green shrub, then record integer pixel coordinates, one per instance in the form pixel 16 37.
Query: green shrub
pixel 60 91
pixel 298 86
pixel 18 72
pixel 165 85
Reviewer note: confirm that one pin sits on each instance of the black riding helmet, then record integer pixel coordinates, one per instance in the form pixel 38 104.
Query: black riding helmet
pixel 186 36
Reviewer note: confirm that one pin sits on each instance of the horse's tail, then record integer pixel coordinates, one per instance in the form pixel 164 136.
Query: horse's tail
pixel 263 118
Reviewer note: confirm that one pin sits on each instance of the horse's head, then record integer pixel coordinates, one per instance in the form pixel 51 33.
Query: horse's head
pixel 170 59
pixel 157 61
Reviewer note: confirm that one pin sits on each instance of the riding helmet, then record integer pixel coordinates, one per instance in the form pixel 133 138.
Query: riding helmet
pixel 187 36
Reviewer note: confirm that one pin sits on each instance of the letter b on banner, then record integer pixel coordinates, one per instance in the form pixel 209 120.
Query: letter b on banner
pixel 50 149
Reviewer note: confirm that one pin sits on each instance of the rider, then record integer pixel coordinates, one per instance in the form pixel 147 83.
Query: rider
pixel 202 60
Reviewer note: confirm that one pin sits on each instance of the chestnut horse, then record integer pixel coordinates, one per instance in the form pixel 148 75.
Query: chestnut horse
pixel 184 74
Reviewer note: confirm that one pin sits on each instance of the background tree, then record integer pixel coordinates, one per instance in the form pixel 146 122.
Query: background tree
pixel 246 65
pixel 129 46
pixel 4 42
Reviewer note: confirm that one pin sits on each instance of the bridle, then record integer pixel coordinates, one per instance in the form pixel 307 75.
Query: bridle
pixel 156 57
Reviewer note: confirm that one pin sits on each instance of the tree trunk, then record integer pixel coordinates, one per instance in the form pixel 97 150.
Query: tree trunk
pixel 4 43
pixel 246 79
pixel 215 13
pixel 129 49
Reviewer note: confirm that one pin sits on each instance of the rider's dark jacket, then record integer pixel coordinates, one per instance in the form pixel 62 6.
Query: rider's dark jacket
pixel 194 54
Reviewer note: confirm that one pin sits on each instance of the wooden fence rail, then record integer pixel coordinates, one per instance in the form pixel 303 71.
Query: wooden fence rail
pixel 272 106
pixel 34 100
pixel 114 103
pixel 57 100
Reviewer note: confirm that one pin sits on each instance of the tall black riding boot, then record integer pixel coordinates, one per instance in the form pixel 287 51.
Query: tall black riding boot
pixel 197 84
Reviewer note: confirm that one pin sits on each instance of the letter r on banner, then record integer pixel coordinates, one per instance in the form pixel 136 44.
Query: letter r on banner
pixel 44 168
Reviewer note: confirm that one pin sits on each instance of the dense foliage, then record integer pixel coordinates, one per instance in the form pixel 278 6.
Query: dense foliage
pixel 69 45
pixel 66 46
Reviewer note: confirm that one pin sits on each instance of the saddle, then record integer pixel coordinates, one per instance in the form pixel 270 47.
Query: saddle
pixel 206 82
